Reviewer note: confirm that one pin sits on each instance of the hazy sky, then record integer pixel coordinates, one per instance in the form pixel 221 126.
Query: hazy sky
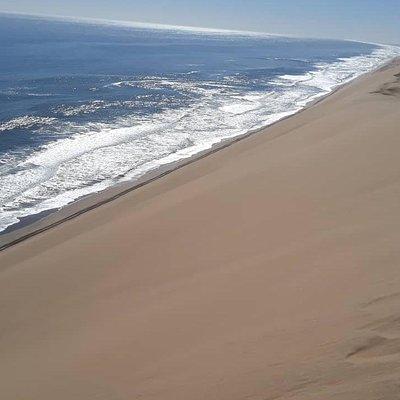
pixel 369 20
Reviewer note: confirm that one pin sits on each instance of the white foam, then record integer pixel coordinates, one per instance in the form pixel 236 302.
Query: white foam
pixel 102 155
pixel 26 121
pixel 327 76
pixel 238 108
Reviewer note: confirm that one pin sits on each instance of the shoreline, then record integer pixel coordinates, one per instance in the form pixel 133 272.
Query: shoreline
pixel 35 224
pixel 265 270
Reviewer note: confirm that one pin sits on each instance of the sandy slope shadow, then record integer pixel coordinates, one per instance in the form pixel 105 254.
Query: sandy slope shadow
pixel 390 88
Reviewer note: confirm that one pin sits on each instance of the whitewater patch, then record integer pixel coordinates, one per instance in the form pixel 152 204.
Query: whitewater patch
pixel 26 121
pixel 327 76
pixel 100 155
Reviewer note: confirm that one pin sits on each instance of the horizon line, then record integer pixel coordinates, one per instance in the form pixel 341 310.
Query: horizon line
pixel 184 28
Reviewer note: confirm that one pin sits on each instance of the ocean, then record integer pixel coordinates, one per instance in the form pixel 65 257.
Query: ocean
pixel 85 105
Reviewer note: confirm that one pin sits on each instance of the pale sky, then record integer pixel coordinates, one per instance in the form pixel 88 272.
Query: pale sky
pixel 366 20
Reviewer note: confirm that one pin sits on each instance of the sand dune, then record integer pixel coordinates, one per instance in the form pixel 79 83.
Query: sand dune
pixel 267 270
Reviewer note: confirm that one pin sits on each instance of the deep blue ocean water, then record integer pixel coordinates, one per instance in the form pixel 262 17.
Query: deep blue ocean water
pixel 85 105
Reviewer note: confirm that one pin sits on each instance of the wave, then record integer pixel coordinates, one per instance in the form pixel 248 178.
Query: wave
pixel 103 154
pixel 26 121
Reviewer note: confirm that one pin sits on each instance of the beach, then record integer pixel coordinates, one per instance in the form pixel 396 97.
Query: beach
pixel 265 270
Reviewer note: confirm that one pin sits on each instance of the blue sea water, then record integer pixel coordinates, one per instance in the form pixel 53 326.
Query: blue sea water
pixel 87 104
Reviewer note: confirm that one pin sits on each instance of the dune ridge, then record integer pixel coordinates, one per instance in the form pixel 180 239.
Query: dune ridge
pixel 266 270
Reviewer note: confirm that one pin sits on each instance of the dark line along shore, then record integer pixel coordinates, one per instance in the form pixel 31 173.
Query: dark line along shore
pixel 92 201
